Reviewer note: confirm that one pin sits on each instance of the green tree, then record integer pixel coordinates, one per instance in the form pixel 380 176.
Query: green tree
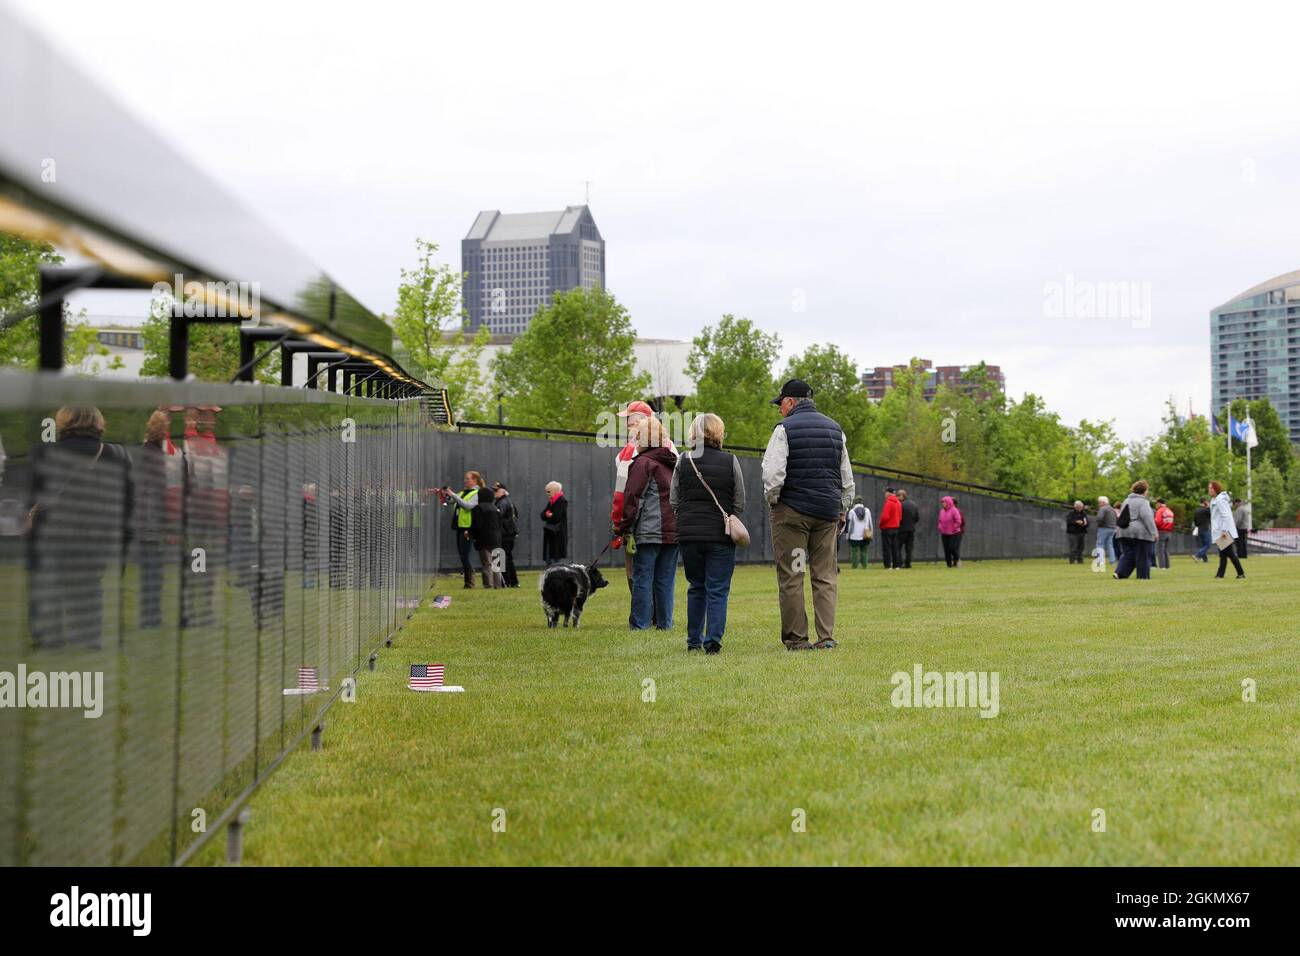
pixel 731 363
pixel 1268 495
pixel 1183 459
pixel 213 348
pixel 1274 441
pixel 838 391
pixel 913 429
pixel 430 324
pixel 1290 516
pixel 573 365
pixel 20 285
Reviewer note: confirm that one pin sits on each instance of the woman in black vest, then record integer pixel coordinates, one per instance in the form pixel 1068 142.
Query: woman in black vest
pixel 708 553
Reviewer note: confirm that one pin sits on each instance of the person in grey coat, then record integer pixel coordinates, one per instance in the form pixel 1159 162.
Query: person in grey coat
pixel 1136 533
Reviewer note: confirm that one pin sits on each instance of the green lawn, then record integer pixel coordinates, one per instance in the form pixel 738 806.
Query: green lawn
pixel 1124 696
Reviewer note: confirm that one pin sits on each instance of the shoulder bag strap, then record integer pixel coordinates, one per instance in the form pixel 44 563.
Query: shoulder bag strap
pixel 696 469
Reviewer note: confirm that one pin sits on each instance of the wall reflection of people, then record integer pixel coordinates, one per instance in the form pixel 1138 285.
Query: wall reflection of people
pixel 81 498
pixel 310 535
pixel 152 520
pixel 207 469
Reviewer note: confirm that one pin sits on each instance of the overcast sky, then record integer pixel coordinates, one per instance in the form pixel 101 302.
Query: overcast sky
pixel 934 180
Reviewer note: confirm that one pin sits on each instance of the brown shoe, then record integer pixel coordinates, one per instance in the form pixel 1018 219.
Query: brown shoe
pixel 797 646
pixel 825 645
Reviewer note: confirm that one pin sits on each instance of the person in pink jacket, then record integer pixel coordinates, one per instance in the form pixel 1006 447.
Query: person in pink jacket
pixel 951 526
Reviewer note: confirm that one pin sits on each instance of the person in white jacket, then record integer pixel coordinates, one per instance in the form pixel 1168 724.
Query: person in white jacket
pixel 858 529
pixel 1221 525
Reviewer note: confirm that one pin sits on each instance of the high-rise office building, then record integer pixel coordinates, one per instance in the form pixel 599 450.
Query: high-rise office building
pixel 881 378
pixel 514 262
pixel 1255 348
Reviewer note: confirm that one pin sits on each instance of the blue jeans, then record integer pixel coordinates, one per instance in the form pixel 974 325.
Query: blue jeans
pixel 654 570
pixel 1203 536
pixel 1106 541
pixel 708 568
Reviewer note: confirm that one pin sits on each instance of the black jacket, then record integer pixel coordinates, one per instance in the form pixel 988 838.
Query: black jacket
pixel 555 527
pixel 1201 519
pixel 486 526
pixel 509 517
pixel 911 516
pixel 698 518
pixel 1072 519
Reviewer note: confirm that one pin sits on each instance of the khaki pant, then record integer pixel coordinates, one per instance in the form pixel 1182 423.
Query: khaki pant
pixel 799 541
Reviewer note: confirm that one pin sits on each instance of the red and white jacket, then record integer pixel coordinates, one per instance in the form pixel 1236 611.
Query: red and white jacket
pixel 621 465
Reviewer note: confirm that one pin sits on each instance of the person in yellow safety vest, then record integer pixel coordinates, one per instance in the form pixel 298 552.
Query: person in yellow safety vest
pixel 463 518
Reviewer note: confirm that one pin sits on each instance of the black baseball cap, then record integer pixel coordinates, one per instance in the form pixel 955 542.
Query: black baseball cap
pixel 795 388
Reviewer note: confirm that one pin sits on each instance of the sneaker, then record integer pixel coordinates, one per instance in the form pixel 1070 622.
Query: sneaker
pixel 713 647
pixel 694 647
pixel 798 646
pixel 1241 577
pixel 826 645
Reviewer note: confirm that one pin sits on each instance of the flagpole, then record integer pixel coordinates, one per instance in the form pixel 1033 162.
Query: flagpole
pixel 1249 503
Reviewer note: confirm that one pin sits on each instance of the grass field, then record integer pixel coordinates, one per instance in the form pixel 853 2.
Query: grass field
pixel 1120 696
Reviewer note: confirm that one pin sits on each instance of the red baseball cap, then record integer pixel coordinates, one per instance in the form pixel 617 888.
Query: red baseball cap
pixel 641 407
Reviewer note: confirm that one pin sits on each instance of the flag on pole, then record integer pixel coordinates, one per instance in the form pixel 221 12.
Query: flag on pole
pixel 441 600
pixel 1252 440
pixel 1215 427
pixel 425 676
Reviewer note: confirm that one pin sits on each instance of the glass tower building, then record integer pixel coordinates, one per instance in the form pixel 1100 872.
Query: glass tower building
pixel 1255 348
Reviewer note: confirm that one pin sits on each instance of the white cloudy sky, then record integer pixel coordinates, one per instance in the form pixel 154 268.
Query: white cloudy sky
pixel 916 174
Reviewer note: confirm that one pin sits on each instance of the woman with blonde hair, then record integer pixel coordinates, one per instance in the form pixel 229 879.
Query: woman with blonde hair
pixel 151 515
pixel 649 526
pixel 82 497
pixel 707 487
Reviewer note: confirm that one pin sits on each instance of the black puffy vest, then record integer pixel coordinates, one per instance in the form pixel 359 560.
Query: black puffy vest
pixel 812 472
pixel 698 518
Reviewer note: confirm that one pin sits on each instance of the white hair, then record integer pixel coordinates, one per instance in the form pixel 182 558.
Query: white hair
pixel 554 484
pixel 1103 500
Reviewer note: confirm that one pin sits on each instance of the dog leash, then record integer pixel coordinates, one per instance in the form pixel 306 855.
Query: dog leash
pixel 593 561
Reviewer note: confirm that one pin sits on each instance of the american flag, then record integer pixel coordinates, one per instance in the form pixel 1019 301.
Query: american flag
pixel 441 600
pixel 425 676
pixel 307 679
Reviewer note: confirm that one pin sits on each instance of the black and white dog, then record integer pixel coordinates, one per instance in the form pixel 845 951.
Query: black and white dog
pixel 565 589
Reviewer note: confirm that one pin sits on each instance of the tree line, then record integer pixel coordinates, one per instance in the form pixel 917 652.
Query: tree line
pixel 575 362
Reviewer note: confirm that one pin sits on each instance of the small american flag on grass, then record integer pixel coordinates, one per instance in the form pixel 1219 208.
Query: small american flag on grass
pixel 307 679
pixel 441 600
pixel 425 676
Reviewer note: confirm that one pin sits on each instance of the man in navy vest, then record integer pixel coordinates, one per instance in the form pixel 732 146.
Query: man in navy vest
pixel 808 482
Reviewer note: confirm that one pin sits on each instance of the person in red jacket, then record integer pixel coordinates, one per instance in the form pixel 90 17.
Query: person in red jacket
pixel 890 517
pixel 1164 530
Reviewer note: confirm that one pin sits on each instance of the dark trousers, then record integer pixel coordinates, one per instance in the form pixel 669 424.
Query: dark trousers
pixel 951 549
pixel 1239 546
pixel 905 541
pixel 152 555
pixel 508 545
pixel 1134 553
pixel 708 568
pixel 465 547
pixel 1076 548
pixel 1226 555
pixel 890 552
